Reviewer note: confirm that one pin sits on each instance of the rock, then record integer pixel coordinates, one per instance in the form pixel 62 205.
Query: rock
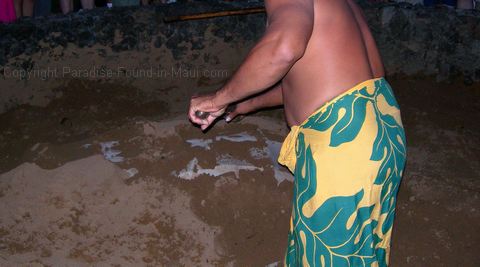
pixel 86 38
pixel 477 74
pixel 400 26
pixel 3 60
pixel 16 49
pixel 102 52
pixel 468 80
pixel 158 42
pixel 387 14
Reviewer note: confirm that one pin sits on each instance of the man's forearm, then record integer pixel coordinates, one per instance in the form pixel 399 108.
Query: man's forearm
pixel 271 98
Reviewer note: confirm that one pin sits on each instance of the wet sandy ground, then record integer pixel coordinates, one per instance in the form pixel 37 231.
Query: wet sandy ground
pixel 113 177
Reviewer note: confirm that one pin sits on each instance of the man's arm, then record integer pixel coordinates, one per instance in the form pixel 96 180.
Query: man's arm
pixel 271 98
pixel 290 24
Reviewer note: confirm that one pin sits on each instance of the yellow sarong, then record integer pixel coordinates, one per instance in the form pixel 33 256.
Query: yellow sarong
pixel 348 159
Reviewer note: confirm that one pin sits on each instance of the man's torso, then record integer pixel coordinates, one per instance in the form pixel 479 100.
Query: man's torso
pixel 336 59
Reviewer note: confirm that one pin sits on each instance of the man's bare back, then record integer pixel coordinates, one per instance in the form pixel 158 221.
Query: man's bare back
pixel 340 54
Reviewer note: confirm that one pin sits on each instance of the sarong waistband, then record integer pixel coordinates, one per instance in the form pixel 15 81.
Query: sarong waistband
pixel 287 155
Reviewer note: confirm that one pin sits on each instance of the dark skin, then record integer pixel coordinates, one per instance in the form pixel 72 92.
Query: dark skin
pixel 312 51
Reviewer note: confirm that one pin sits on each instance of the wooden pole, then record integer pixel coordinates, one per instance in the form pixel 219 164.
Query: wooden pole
pixel 208 15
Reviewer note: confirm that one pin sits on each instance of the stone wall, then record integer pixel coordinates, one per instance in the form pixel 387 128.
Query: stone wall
pixel 413 40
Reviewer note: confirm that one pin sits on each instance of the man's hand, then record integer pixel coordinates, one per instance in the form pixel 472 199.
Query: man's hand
pixel 205 103
pixel 240 109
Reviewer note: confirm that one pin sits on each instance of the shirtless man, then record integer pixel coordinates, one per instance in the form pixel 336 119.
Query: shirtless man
pixel 346 146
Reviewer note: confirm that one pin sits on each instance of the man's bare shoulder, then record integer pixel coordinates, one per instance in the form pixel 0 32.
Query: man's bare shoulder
pixel 276 8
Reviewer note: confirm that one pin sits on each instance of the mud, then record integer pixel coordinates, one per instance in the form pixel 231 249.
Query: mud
pixel 96 178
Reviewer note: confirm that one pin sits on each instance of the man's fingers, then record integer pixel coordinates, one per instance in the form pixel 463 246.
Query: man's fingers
pixel 230 116
pixel 207 122
pixel 193 117
pixel 204 104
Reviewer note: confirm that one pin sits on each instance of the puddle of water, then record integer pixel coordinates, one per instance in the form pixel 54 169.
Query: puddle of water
pixel 131 172
pixel 224 165
pixel 203 143
pixel 271 151
pixel 281 174
pixel 273 264
pixel 240 137
pixel 111 154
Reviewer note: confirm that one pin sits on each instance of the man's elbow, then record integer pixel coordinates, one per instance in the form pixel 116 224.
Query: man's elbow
pixel 289 51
